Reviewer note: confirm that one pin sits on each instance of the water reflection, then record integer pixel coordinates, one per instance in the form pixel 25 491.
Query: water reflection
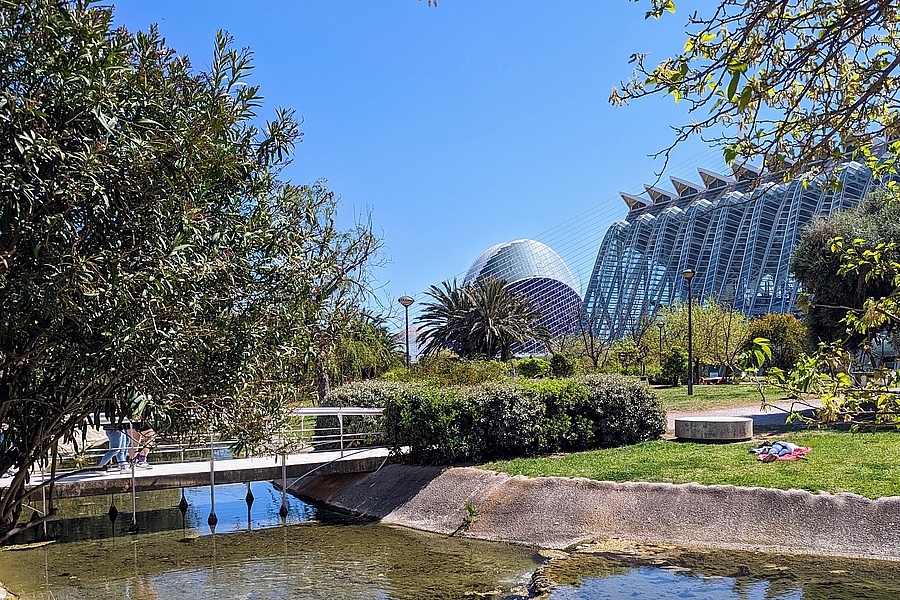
pixel 258 558
pixel 318 555
pixel 657 572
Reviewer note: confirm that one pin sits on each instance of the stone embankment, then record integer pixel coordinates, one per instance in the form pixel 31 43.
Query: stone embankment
pixel 556 512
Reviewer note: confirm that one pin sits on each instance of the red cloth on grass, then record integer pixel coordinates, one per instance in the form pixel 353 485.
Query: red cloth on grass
pixel 795 455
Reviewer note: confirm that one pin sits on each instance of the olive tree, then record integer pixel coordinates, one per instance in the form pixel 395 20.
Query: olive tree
pixel 151 262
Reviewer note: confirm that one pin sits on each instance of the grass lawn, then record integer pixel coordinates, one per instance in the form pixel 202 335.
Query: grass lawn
pixel 867 464
pixel 708 397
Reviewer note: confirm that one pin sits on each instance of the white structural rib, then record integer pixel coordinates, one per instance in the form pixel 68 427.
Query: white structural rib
pixel 634 201
pixel 659 195
pixel 685 188
pixel 712 179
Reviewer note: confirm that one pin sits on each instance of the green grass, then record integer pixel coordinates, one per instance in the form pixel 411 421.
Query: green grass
pixel 867 464
pixel 708 397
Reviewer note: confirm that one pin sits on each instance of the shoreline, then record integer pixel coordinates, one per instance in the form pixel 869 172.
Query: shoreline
pixel 559 513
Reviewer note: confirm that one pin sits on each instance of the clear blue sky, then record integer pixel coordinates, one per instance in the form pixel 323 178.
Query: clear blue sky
pixel 456 127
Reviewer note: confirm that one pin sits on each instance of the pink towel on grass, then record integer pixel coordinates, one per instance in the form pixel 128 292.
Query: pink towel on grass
pixel 795 455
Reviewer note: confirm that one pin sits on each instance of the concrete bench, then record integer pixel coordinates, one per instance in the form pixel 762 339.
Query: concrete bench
pixel 714 429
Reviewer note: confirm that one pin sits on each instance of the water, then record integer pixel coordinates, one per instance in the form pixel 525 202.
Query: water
pixel 667 572
pixel 316 554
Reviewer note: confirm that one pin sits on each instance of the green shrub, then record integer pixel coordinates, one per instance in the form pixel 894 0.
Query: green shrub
pixel 562 365
pixel 564 428
pixel 674 367
pixel 452 424
pixel 623 411
pixel 511 422
pixel 532 368
pixel 450 370
pixel 654 375
pixel 440 425
pixel 363 394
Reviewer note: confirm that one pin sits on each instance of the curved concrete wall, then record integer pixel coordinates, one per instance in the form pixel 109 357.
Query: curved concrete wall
pixel 555 512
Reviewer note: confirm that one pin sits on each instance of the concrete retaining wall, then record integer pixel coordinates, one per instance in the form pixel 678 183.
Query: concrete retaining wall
pixel 555 512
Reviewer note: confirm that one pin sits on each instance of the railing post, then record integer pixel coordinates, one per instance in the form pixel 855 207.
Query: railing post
pixel 341 428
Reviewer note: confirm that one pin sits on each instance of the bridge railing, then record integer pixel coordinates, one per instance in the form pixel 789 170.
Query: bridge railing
pixel 298 438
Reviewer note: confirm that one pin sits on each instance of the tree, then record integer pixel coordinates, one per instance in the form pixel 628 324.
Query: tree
pixel 486 318
pixel 593 344
pixel 800 84
pixel 796 82
pixel 366 350
pixel 786 335
pixel 151 263
pixel 827 296
pixel 674 367
pixel 719 331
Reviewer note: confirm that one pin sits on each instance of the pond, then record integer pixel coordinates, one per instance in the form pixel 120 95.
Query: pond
pixel 251 555
pixel 316 554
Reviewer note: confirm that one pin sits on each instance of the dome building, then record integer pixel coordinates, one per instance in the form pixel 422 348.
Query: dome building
pixel 534 270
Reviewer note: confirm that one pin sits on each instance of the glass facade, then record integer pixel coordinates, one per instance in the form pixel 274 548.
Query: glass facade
pixel 735 232
pixel 536 271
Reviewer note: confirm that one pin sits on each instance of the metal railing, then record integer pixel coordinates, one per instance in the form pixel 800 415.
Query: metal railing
pixel 287 441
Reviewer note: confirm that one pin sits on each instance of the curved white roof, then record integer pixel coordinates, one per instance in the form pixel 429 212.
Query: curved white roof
pixel 520 259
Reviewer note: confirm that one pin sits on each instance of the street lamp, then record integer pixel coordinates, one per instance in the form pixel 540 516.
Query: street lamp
pixel 882 336
pixel 406 301
pixel 660 324
pixel 689 274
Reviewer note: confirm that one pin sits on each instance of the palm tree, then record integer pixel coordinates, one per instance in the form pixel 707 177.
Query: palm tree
pixel 486 318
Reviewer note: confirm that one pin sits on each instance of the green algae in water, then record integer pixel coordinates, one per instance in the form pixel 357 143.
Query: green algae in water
pixel 667 571
pixel 306 560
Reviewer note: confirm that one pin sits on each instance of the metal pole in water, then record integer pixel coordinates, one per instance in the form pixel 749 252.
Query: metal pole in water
pixel 249 500
pixel 133 528
pixel 213 519
pixel 283 511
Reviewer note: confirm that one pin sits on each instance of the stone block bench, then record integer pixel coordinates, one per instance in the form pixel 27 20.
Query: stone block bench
pixel 714 429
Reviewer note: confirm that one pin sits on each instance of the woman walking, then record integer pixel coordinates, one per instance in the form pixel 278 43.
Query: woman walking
pixel 118 447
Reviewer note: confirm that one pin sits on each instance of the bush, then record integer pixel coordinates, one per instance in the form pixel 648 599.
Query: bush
pixel 511 422
pixel 674 366
pixel 450 424
pixel 624 411
pixel 562 365
pixel 532 368
pixel 654 375
pixel 451 370
pixel 363 394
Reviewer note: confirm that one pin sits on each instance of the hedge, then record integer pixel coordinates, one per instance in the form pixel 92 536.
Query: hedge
pixel 453 424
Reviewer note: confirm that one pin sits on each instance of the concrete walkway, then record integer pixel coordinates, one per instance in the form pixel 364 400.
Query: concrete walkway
pixel 193 473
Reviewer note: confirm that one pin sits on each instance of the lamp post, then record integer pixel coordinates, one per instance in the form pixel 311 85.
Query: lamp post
pixel 660 324
pixel 689 274
pixel 882 336
pixel 406 301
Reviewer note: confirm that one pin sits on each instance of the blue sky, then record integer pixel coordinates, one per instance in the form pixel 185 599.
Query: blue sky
pixel 456 127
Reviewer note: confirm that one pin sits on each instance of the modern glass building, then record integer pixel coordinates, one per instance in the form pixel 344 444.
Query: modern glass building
pixel 536 271
pixel 737 232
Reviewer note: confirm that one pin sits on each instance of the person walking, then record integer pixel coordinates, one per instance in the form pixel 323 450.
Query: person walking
pixel 118 448
pixel 141 435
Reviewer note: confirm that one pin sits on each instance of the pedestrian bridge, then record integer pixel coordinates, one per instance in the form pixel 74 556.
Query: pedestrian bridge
pixel 170 469
pixel 196 473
